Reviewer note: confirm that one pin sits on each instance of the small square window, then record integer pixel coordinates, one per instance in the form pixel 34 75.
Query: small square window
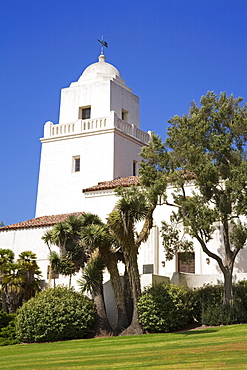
pixel 125 115
pixel 148 269
pixel 85 113
pixel 77 164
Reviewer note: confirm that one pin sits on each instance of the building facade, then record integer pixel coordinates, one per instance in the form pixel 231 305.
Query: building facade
pixel 93 149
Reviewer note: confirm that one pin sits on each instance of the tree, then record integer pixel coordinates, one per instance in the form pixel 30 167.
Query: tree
pixel 66 236
pixel 92 281
pixel 100 244
pixel 80 239
pixel 29 269
pixel 207 147
pixel 132 207
pixel 20 280
pixel 6 257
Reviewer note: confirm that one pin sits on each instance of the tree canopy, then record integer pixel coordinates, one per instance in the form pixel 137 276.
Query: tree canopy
pixel 206 148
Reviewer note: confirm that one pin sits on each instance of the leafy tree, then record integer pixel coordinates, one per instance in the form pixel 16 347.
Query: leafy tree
pixel 208 147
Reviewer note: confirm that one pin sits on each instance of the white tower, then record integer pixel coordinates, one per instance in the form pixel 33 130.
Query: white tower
pixel 97 139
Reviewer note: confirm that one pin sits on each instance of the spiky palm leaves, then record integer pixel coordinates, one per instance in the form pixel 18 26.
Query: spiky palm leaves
pixel 20 280
pixel 130 209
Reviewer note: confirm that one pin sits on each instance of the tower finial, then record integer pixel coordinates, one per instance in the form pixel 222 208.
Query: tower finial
pixel 103 43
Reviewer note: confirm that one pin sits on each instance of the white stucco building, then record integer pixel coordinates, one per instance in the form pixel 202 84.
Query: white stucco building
pixel 94 148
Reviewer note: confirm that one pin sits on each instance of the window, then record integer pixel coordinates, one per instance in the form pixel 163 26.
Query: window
pixel 186 262
pixel 134 168
pixel 85 113
pixel 148 269
pixel 125 115
pixel 77 164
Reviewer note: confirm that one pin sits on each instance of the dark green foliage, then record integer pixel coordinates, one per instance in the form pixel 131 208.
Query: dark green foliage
pixel 222 315
pixel 7 329
pixel 164 308
pixel 8 334
pixel 55 314
pixel 240 292
pixel 208 305
pixel 206 297
pixel 5 319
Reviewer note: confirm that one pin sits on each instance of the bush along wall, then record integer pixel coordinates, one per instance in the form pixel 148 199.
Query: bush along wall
pixel 164 308
pixel 208 306
pixel 55 314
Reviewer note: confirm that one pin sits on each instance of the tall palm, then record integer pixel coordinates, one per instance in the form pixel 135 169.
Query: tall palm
pixel 130 209
pixel 12 286
pixel 97 236
pixel 92 281
pixel 66 235
pixel 6 257
pixel 31 274
pixel 54 269
pixel 91 237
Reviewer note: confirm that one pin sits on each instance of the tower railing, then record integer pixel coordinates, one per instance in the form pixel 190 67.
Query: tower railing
pixel 90 125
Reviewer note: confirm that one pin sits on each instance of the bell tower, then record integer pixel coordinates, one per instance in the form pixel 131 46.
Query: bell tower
pixel 98 138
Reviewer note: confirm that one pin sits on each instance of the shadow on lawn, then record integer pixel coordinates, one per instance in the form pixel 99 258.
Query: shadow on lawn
pixel 194 328
pixel 199 331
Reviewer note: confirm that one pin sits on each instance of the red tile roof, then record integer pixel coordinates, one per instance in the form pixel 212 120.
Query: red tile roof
pixel 122 181
pixel 43 221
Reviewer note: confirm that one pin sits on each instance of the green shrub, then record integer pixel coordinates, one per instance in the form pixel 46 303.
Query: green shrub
pixel 206 298
pixel 208 305
pixel 220 315
pixel 5 318
pixel 163 308
pixel 8 334
pixel 240 292
pixel 55 314
pixel 7 329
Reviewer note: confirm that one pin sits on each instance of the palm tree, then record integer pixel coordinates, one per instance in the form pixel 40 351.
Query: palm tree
pixel 20 281
pixel 131 208
pixel 66 235
pixel 29 269
pixel 12 286
pixel 92 281
pixel 6 257
pixel 95 235
pixel 54 269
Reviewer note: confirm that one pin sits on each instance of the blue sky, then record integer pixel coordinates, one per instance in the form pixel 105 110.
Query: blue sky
pixel 168 52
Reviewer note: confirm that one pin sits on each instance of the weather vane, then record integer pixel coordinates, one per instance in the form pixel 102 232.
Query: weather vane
pixel 103 43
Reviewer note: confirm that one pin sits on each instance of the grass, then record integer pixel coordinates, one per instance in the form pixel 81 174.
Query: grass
pixel 212 348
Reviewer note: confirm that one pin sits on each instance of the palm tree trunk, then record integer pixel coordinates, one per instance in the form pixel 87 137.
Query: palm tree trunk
pixel 102 326
pixel 134 279
pixel 122 319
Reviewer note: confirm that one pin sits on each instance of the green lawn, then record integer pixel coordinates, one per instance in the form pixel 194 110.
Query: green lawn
pixel 213 348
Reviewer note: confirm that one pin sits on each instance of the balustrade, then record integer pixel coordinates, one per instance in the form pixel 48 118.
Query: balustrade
pixel 97 124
